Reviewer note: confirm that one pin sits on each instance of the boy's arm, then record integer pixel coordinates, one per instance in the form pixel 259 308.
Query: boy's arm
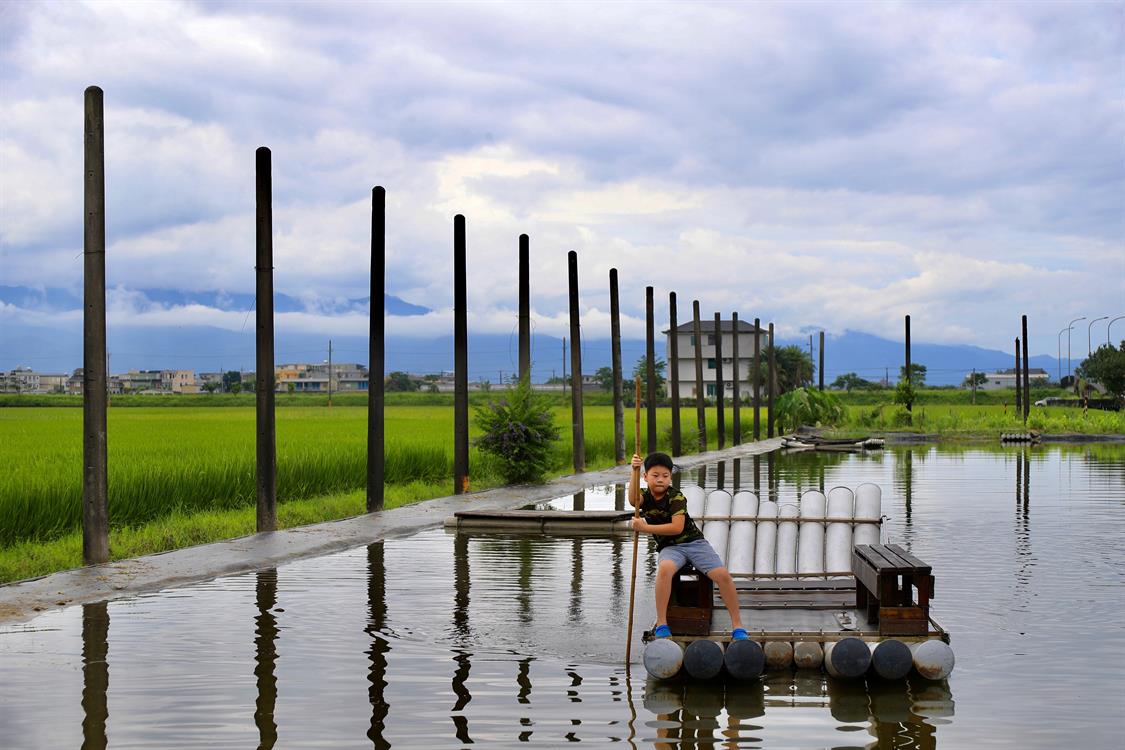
pixel 636 498
pixel 662 529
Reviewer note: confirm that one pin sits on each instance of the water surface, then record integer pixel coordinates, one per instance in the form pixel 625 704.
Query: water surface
pixel 442 640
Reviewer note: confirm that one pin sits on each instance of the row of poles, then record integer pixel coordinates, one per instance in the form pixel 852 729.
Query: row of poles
pixel 95 516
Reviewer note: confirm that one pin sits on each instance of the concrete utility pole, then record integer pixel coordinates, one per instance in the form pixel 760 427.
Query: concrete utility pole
pixel 264 359
pixel 1070 327
pixel 330 373
pixel 460 360
pixel 376 352
pixel 650 369
pixel 577 422
pixel 95 483
pixel 700 412
pixel 525 308
pixel 674 374
pixel 615 354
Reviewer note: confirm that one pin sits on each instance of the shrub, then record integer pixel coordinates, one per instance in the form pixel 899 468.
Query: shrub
pixel 519 431
pixel 808 406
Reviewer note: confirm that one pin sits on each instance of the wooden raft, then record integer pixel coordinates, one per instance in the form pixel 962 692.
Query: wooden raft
pixel 887 575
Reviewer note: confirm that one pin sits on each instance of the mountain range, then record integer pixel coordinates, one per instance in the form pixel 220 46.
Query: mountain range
pixel 52 346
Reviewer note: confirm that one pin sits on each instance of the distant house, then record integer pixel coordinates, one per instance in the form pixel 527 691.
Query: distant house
pixel 684 365
pixel 313 378
pixel 995 381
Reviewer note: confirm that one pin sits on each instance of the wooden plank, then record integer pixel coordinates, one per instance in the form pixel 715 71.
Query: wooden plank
pixel 864 571
pixel 910 559
pixel 834 584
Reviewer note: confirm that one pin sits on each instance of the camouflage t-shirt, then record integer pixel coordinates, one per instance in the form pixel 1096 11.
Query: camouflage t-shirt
pixel 661 511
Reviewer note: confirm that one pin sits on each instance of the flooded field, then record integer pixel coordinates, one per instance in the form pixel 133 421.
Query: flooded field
pixel 443 640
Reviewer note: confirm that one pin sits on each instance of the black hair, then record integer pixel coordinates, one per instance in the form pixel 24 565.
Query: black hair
pixel 659 459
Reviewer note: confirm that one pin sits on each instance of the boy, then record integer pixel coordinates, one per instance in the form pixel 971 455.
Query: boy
pixel 678 541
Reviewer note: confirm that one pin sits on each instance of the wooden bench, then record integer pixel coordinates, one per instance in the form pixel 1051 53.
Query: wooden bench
pixel 886 577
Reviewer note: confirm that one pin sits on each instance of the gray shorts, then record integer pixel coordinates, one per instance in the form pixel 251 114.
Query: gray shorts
pixel 699 553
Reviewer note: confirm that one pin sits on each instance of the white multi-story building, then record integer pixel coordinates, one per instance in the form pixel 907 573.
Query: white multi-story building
pixel 995 381
pixel 684 366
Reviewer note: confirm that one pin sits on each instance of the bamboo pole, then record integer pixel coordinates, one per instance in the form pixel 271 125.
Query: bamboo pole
pixel 635 491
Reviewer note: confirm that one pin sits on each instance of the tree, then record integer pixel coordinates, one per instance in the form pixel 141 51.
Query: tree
pixel 604 378
pixel 850 381
pixel 808 406
pixel 975 380
pixel 230 377
pixel 917 374
pixel 794 369
pixel 211 386
pixel 640 370
pixel 1107 367
pixel 400 381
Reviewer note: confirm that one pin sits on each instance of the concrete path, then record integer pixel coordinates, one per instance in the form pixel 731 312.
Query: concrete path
pixel 24 600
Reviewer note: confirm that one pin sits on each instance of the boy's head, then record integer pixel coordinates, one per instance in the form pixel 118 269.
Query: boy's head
pixel 658 473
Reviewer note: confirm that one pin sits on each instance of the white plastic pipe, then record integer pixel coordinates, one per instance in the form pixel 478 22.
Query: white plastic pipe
pixel 742 533
pixel 766 549
pixel 717 532
pixel 838 536
pixel 694 495
pixel 810 543
pixel 787 539
pixel 868 504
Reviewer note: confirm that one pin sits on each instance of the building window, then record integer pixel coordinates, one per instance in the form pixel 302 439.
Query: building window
pixel 711 363
pixel 710 389
pixel 710 339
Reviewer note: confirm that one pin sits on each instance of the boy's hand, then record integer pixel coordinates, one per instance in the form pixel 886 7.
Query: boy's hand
pixel 638 524
pixel 638 462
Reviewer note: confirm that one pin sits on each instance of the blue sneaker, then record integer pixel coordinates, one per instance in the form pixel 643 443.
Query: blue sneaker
pixel 739 634
pixel 662 631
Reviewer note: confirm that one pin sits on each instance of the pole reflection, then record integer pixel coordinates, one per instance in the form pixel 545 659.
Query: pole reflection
pixel 95 674
pixel 462 633
pixel 265 657
pixel 380 647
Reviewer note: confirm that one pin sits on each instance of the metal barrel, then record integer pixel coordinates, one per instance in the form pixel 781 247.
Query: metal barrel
pixel 744 660
pixel 663 658
pixel 847 658
pixel 891 659
pixel 933 659
pixel 703 659
pixel 779 654
pixel 808 655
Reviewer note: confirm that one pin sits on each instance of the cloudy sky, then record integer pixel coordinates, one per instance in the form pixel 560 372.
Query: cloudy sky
pixel 820 165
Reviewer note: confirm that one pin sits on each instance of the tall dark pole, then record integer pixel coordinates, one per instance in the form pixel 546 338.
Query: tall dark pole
pixel 1026 374
pixel 910 403
pixel 720 417
pixel 95 484
pixel 577 433
pixel 757 374
pixel 1019 380
pixel 525 308
pixel 700 412
pixel 737 418
pixel 772 378
pixel 674 373
pixel 821 368
pixel 263 386
pixel 615 345
pixel 650 370
pixel 376 352
pixel 460 362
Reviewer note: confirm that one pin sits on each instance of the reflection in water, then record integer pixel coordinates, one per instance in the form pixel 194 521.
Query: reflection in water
pixel 736 483
pixel 95 674
pixel 377 652
pixel 721 475
pixel 904 479
pixel 265 657
pixel 525 551
pixel 757 476
pixel 1024 555
pixel 897 713
pixel 461 634
pixel 574 616
pixel 619 496
pixel 580 500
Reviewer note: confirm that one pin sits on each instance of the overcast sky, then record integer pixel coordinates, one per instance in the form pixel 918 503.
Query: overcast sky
pixel 819 165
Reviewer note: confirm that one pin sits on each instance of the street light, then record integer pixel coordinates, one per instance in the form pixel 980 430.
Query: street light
pixel 1089 349
pixel 1110 323
pixel 1058 340
pixel 1068 370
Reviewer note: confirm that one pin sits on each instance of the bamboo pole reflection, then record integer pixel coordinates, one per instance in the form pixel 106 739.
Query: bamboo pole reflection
pixel 95 674
pixel 377 652
pixel 265 657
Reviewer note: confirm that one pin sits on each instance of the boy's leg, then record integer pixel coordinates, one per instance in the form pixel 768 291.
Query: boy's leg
pixel 665 571
pixel 723 580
